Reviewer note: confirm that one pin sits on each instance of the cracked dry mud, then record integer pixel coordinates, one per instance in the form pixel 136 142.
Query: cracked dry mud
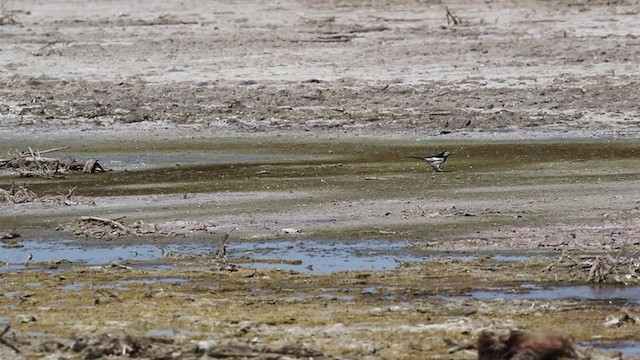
pixel 293 122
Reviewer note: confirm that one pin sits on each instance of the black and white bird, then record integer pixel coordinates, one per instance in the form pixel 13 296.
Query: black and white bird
pixel 436 160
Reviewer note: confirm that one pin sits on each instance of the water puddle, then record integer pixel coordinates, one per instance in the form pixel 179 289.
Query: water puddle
pixel 626 348
pixel 73 286
pixel 581 292
pixel 326 257
pixel 170 333
pixel 512 257
pixel 72 251
pixel 318 257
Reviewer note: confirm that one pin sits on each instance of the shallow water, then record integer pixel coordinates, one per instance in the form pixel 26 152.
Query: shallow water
pixel 612 293
pixel 317 257
pixel 166 167
pixel 626 348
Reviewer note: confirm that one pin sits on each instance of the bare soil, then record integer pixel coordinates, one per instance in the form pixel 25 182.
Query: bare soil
pixel 301 115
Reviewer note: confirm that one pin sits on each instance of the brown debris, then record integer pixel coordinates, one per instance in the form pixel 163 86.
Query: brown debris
pixel 9 235
pixel 17 195
pixel 237 349
pixel 617 269
pixel 6 342
pixel 97 347
pixel 32 163
pixel 8 17
pixel 601 268
pixel 626 316
pixel 100 227
pixel 525 345
pixel 113 223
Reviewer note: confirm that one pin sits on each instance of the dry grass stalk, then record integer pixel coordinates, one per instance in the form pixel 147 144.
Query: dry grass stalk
pixel 6 342
pixel 221 250
pixel 456 20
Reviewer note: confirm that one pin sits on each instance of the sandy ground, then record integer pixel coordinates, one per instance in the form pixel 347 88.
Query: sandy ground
pixel 116 76
pixel 559 69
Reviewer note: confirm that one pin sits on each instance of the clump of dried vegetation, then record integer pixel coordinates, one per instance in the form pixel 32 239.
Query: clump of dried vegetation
pixel 619 268
pixel 101 227
pixel 19 194
pixel 32 163
pixel 7 17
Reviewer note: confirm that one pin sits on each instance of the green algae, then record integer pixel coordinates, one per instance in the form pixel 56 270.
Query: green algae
pixel 348 165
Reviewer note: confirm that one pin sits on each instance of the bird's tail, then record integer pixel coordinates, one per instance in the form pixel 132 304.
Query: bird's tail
pixel 416 157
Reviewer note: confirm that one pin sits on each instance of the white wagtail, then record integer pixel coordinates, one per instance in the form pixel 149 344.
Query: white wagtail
pixel 436 160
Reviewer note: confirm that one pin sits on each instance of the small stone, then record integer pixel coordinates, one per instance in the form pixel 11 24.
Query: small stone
pixel 612 321
pixel 290 231
pixel 25 318
pixel 206 346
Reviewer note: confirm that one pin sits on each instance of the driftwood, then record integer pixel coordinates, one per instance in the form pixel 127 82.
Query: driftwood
pixel 113 224
pixel 100 227
pixel 33 164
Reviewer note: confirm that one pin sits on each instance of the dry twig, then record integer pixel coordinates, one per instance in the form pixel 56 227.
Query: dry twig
pixel 316 20
pixel 32 163
pixel 221 250
pixel 382 18
pixel 5 342
pixel 452 18
pixel 112 223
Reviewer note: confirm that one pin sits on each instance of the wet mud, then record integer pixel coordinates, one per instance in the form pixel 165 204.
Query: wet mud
pixel 334 244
